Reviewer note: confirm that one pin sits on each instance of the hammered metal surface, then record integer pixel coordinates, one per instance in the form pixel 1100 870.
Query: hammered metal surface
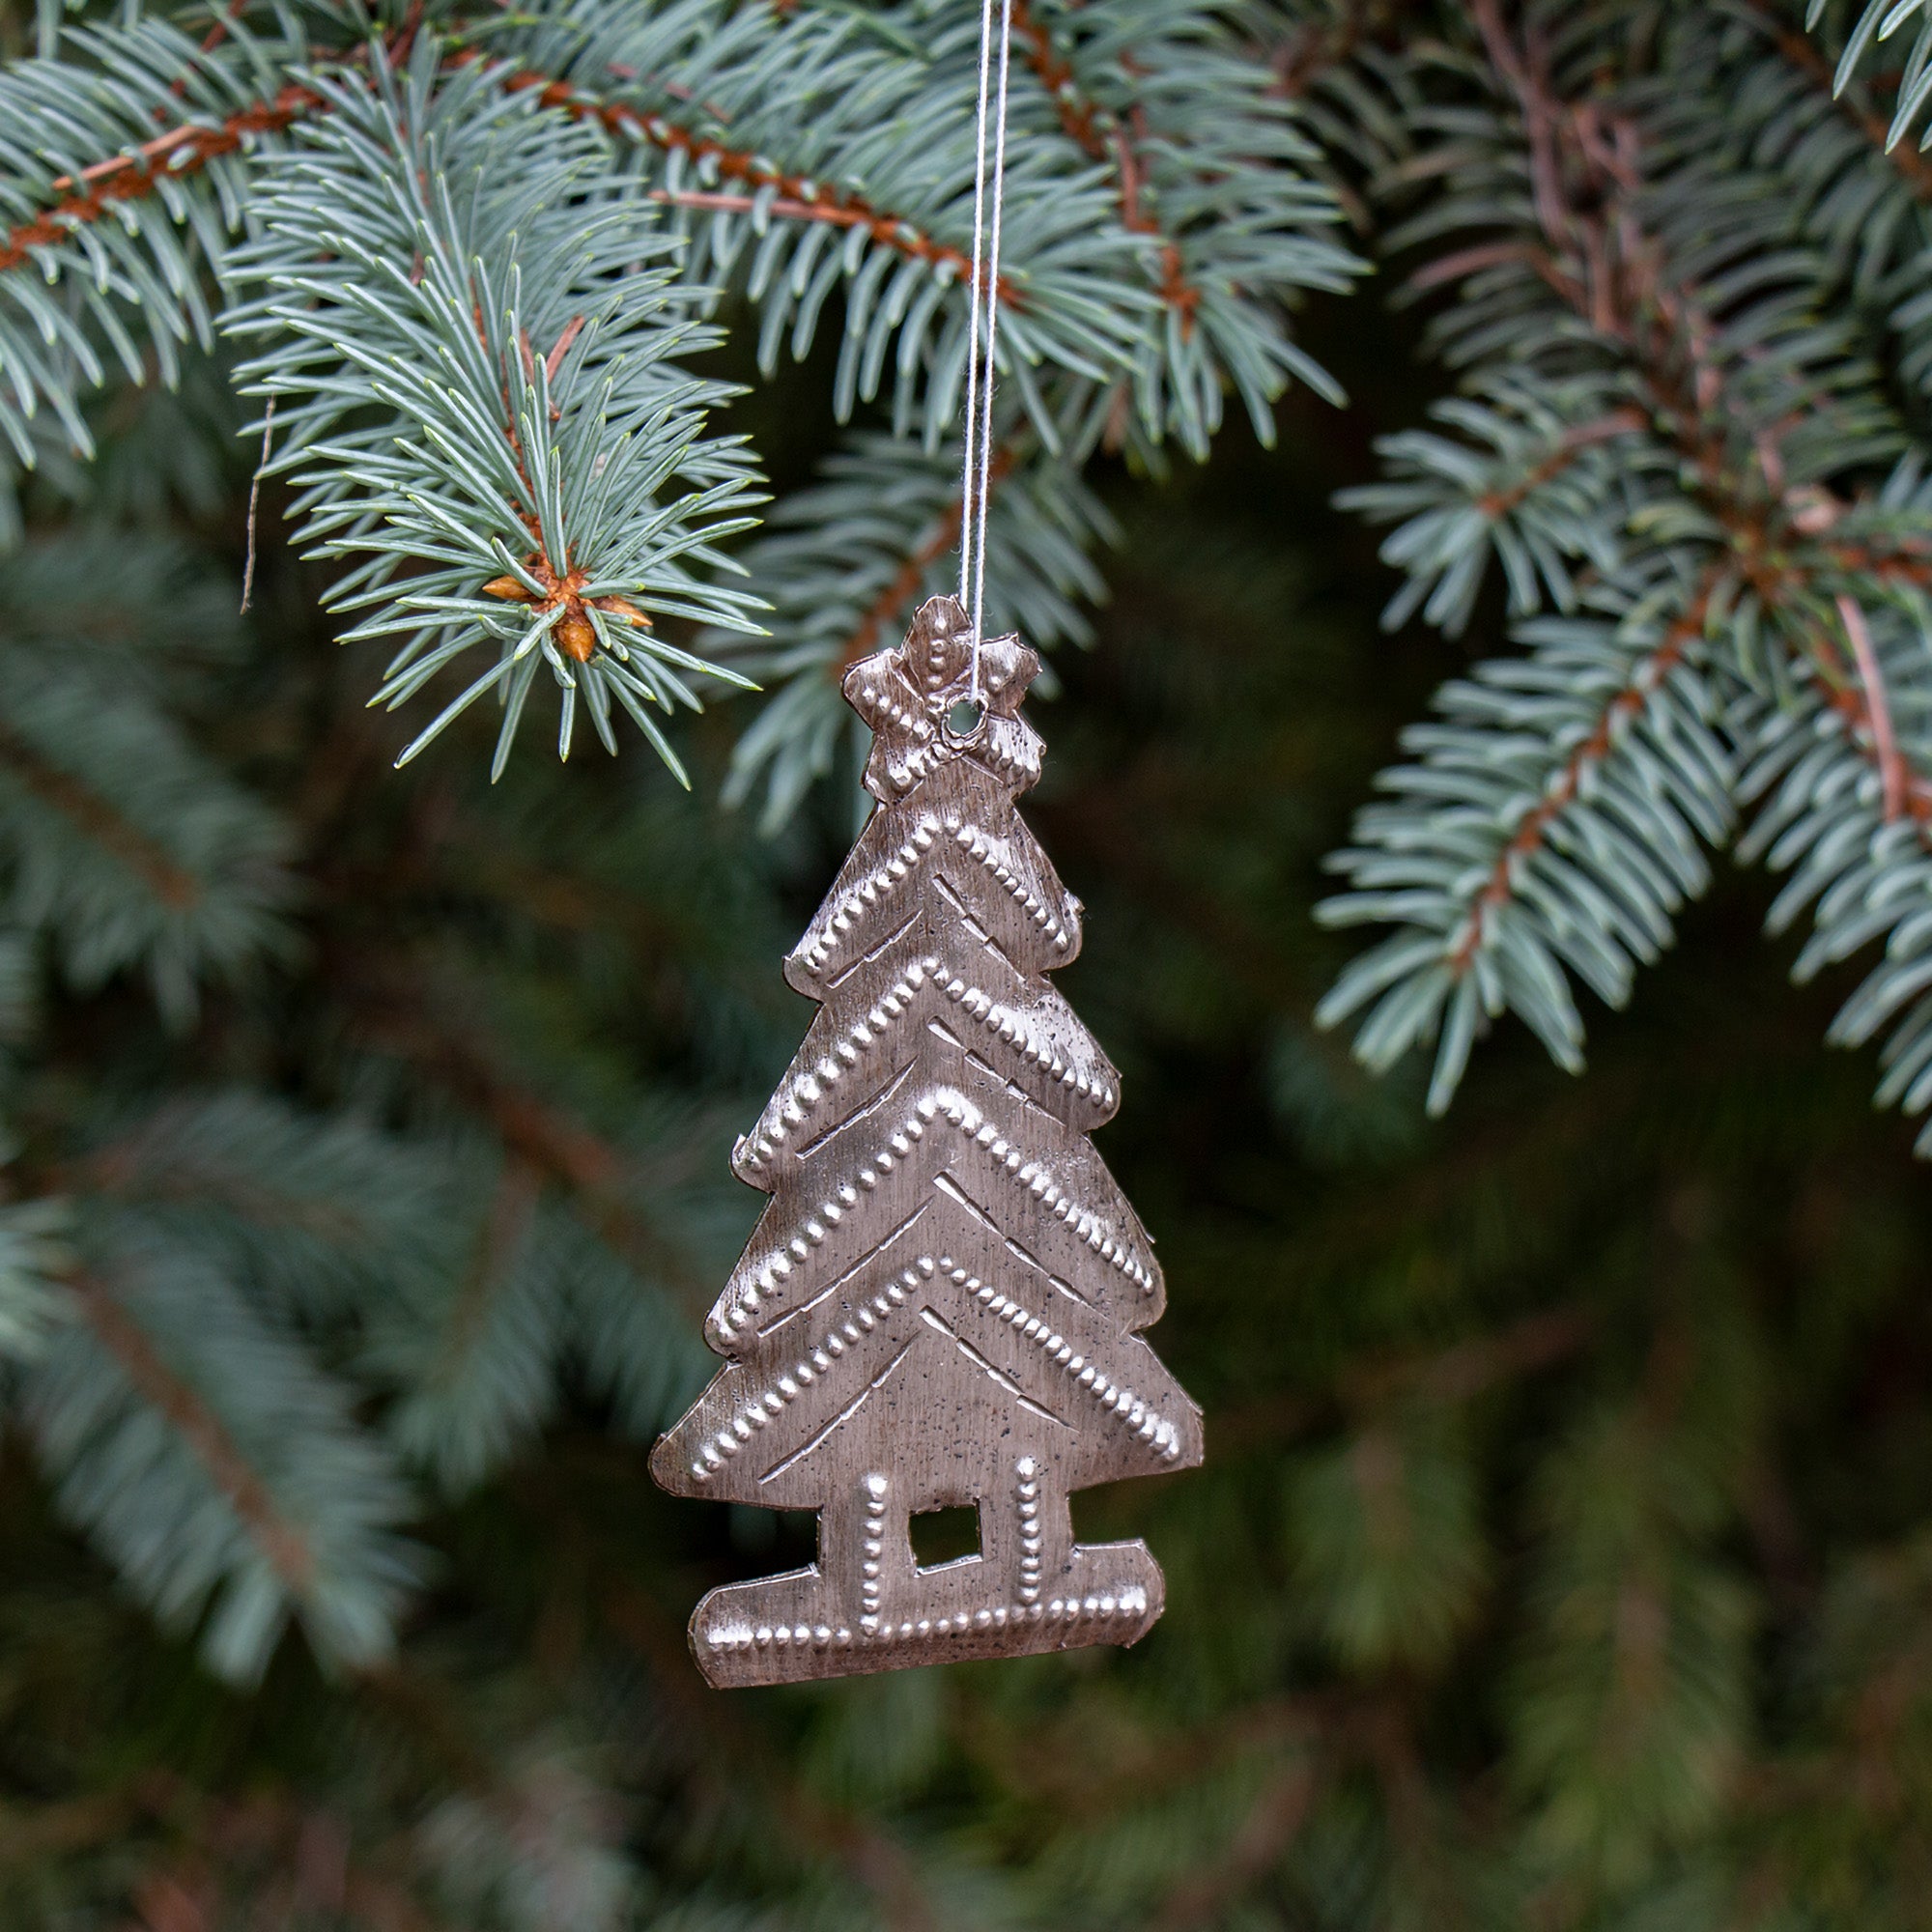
pixel 938 1306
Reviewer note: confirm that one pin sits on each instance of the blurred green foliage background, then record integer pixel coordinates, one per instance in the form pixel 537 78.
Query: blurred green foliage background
pixel 1562 1557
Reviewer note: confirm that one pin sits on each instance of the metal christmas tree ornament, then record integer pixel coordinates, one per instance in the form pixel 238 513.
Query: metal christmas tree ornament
pixel 940 1304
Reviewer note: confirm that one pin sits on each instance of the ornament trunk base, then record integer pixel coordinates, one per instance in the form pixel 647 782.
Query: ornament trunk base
pixel 1015 1598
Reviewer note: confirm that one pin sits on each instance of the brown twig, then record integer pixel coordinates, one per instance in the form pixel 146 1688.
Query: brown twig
pixel 802 199
pixel 506 1227
pixel 1457 1374
pixel 1611 273
pixel 1079 116
pixel 1313 48
pixel 182 151
pixel 851 213
pixel 1273 1822
pixel 395 1013
pixel 134 175
pixel 1082 120
pixel 1495 503
pixel 1469 1369
pixel 254 501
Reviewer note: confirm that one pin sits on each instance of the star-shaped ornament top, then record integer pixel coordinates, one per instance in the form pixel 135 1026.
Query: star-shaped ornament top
pixel 920 701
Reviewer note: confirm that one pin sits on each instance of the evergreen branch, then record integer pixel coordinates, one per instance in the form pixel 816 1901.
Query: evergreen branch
pixel 35 1259
pixel 173 156
pixel 1845 805
pixel 1894 780
pixel 1273 1823
pixel 1227 202
pixel 1206 192
pixel 80 146
pixel 1087 125
pixel 119 837
pixel 1356 87
pixel 1733 460
pixel 767 190
pixel 182 1407
pixel 884 615
pixel 224 25
pixel 1637 1607
pixel 311 1211
pixel 1537 489
pixel 1239 227
pixel 1080 116
pixel 474 1353
pixel 1612 719
pixel 874 1860
pixel 1864 199
pixel 1716 469
pixel 543 509
pixel 834 212
pixel 173 885
pixel 863 138
pixel 1554 821
pixel 1911 164
pixel 218 1466
pixel 544 1137
pixel 1084 273
pixel 1499 502
pixel 1877 21
pixel 1314 50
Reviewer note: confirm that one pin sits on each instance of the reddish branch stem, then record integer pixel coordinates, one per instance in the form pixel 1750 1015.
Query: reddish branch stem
pixel 182 151
pixel 185 149
pixel 802 199
pixel 1078 116
pixel 1081 118
pixel 547 1139
pixel 1570 446
pixel 1530 835
pixel 1313 48
pixel 1272 1823
pixel 1878 712
pixel 1914 168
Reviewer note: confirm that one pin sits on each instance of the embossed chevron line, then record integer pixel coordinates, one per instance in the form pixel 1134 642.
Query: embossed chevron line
pixel 821 949
pixel 895 851
pixel 1157 1415
pixel 1043 1034
pixel 1002 855
pixel 760 1289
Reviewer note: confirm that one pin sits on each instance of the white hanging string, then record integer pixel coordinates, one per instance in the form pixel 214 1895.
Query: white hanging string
pixel 973 311
pixel 977 481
